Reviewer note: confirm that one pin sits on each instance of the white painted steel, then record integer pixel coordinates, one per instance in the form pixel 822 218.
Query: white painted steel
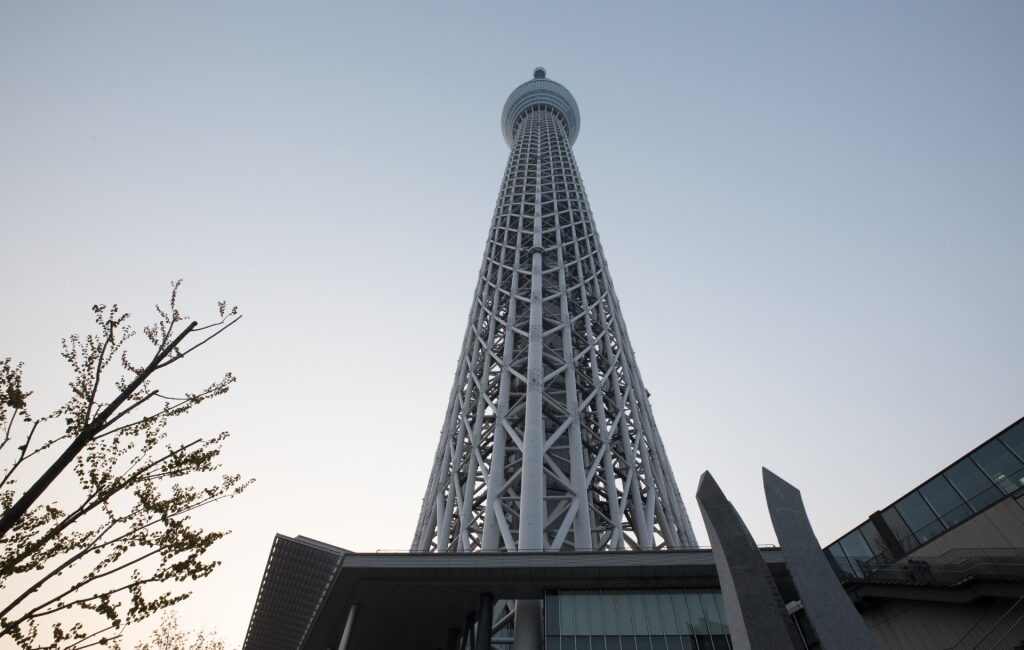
pixel 549 442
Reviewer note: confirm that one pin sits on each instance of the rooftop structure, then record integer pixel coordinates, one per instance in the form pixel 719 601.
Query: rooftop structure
pixel 420 600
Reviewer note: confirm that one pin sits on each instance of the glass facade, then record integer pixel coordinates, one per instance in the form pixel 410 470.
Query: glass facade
pixel 691 618
pixel 985 476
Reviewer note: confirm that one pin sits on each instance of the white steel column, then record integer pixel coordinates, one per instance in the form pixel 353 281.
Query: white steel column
pixel 532 510
pixel 531 493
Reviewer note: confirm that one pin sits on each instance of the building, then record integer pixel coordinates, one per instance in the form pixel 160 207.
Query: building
pixel 551 518
pixel 318 597
pixel 943 566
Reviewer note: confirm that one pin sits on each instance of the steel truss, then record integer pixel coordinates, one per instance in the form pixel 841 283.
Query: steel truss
pixel 549 442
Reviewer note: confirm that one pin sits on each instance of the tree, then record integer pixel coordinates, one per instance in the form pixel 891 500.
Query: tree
pixel 170 636
pixel 115 534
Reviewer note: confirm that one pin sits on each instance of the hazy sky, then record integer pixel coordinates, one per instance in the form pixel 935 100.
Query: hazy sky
pixel 813 213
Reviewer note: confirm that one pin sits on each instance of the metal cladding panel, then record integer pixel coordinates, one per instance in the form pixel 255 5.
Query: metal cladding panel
pixel 295 583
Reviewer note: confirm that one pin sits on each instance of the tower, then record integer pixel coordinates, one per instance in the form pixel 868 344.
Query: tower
pixel 549 449
pixel 549 442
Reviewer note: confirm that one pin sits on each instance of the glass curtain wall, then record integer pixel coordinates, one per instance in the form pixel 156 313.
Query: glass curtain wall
pixel 690 618
pixel 985 476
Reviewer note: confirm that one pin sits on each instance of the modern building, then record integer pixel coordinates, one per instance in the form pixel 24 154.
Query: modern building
pixel 551 518
pixel 943 566
pixel 318 597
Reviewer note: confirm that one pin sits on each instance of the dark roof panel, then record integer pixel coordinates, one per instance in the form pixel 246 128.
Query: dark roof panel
pixel 299 574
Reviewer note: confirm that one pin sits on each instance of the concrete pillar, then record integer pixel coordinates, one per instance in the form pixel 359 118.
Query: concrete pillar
pixel 838 624
pixel 757 616
pixel 528 634
pixel 888 537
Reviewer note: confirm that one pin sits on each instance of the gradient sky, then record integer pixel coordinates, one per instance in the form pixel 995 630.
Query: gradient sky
pixel 813 213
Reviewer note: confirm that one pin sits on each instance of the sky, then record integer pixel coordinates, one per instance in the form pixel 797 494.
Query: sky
pixel 813 214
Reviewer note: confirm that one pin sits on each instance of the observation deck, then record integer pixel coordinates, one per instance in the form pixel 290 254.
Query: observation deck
pixel 535 93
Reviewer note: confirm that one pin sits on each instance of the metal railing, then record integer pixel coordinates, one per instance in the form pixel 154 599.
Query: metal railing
pixel 406 551
pixel 949 569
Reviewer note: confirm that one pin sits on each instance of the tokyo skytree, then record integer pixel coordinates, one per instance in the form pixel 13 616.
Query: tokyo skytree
pixel 549 442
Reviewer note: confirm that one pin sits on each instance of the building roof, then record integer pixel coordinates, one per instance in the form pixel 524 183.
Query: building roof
pixel 298 574
pixel 410 600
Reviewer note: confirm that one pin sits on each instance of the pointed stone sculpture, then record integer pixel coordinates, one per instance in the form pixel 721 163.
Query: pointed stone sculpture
pixel 835 619
pixel 753 606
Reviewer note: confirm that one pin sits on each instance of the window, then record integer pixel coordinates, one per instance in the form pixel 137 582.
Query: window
pixel 648 619
pixel 1014 439
pixel 682 612
pixel 837 558
pixel 566 618
pixel 551 617
pixel 1001 466
pixel 610 623
pixel 941 496
pixel 636 605
pixel 875 542
pixel 716 620
pixel 595 609
pixel 667 616
pixel 697 617
pixel 921 519
pixel 855 553
pixel 972 484
pixel 856 549
pixel 900 529
pixel 653 612
pixel 623 617
pixel 581 606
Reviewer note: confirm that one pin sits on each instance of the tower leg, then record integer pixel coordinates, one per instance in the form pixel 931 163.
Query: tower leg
pixel 528 626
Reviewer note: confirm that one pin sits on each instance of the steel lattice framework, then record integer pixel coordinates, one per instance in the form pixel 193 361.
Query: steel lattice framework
pixel 549 442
